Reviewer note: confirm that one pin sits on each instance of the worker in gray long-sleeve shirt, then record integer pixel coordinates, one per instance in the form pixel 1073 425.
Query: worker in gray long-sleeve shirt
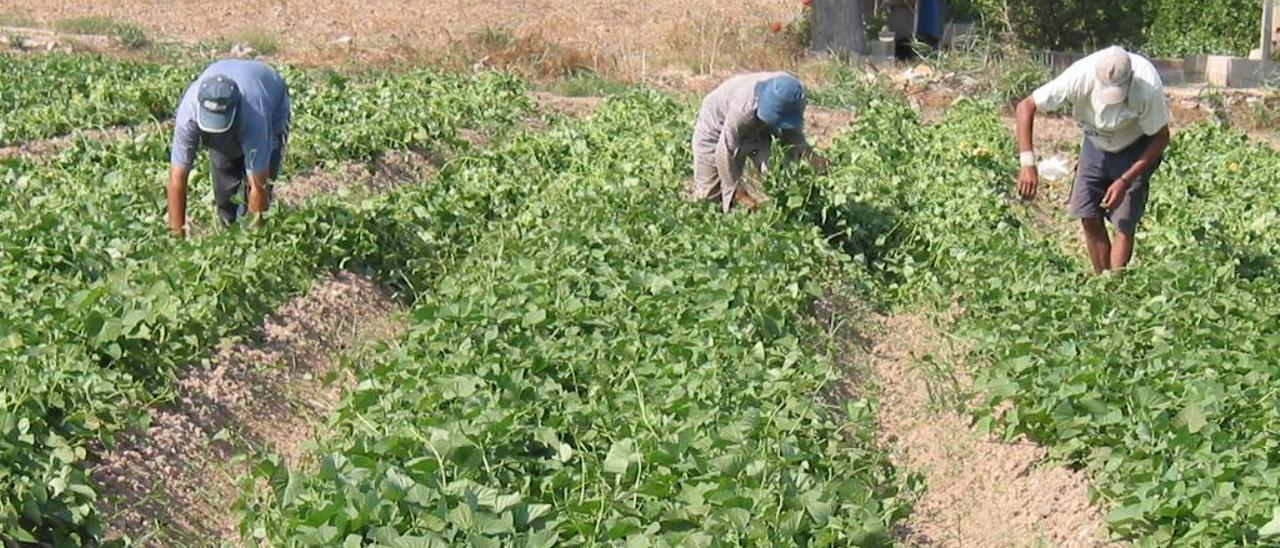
pixel 738 121
pixel 240 111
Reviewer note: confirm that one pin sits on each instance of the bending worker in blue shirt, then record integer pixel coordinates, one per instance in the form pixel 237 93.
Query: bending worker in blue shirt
pixel 240 111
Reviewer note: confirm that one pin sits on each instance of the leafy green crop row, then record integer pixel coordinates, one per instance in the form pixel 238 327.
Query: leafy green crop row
pixel 48 95
pixel 1165 28
pixel 97 202
pixel 613 366
pixel 1221 193
pixel 336 116
pixel 102 307
pixel 1161 382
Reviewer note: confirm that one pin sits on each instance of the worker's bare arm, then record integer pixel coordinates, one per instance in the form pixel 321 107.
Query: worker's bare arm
pixel 1028 177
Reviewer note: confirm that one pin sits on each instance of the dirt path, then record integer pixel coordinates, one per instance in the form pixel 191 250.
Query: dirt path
pixel 633 35
pixel 575 107
pixel 980 492
pixel 824 125
pixel 174 484
pixel 54 145
pixel 1250 110
pixel 388 171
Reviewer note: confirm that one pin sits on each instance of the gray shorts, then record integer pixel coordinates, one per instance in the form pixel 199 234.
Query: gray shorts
pixel 1096 171
pixel 230 193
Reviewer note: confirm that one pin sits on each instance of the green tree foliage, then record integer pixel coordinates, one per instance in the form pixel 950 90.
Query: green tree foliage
pixel 1166 28
pixel 1178 27
pixel 1068 25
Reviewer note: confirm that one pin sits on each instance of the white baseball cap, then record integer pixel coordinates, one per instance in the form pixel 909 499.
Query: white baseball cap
pixel 1115 71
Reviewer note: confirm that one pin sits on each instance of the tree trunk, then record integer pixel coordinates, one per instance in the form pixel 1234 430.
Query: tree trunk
pixel 838 28
pixel 1268 33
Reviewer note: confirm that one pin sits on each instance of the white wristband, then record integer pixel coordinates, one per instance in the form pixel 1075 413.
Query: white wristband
pixel 1027 159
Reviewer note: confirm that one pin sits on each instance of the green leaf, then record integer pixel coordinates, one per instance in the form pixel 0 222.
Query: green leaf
pixel 110 330
pixel 499 525
pixel 1272 528
pixel 410 541
pixel 57 485
pixel 1125 515
pixel 545 538
pixel 1192 416
pixel 22 535
pixel 463 517
pixel 620 456
pixel 132 318
pixel 534 317
pixel 292 489
pixel 65 454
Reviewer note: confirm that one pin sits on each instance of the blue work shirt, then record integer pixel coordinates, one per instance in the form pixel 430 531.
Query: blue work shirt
pixel 262 115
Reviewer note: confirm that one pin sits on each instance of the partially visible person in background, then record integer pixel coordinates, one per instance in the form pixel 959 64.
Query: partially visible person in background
pixel 912 22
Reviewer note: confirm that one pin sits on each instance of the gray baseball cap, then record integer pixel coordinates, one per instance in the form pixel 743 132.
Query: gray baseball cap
pixel 1115 72
pixel 219 99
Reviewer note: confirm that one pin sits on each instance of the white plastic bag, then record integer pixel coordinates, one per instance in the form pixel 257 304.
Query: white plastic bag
pixel 1055 168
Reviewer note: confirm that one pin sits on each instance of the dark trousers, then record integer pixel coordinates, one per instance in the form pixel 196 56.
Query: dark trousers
pixel 230 191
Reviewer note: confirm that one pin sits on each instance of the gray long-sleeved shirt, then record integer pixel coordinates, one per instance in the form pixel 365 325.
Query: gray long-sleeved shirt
pixel 263 114
pixel 728 133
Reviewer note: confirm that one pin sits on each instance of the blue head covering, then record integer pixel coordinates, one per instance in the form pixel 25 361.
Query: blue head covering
pixel 219 99
pixel 780 103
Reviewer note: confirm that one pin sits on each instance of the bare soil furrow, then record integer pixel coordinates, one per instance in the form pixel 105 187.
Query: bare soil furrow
pixel 980 491
pixel 174 482
pixel 388 171
pixel 54 145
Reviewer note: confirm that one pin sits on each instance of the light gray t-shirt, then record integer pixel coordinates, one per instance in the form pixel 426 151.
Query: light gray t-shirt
pixel 1115 127
pixel 262 116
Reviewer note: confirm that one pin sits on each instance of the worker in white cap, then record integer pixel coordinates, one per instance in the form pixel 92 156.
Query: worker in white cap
pixel 1117 98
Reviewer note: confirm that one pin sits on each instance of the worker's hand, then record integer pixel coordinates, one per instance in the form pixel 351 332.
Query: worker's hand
pixel 1028 182
pixel 1115 194
pixel 742 198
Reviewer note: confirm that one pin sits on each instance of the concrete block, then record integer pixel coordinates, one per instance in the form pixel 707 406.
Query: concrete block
pixel 1250 73
pixel 880 48
pixel 1217 70
pixel 1172 71
pixel 1231 72
pixel 1195 67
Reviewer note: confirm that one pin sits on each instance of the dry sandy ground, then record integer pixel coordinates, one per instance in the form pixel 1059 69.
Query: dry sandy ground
pixel 635 33
pixel 981 492
pixel 45 147
pixel 173 484
pixel 386 172
pixel 1054 136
